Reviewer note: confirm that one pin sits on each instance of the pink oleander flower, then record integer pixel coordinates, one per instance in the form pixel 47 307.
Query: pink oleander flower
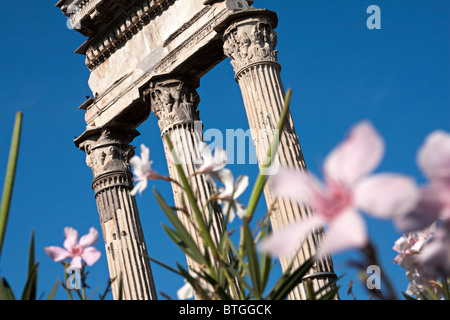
pixel 412 249
pixel 435 256
pixel 76 250
pixel 433 158
pixel 232 191
pixel 142 171
pixel 208 164
pixel 409 245
pixel 347 188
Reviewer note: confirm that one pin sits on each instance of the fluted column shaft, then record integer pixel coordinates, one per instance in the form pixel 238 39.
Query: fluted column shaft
pixel 108 154
pixel 250 42
pixel 175 103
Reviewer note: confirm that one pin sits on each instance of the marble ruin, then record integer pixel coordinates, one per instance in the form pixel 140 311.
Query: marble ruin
pixel 149 56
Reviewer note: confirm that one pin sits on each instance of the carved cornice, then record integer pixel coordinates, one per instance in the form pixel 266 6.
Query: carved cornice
pixel 249 41
pixel 110 23
pixel 88 16
pixel 174 102
pixel 109 151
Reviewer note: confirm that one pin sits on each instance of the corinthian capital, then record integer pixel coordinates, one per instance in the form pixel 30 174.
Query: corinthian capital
pixel 109 150
pixel 174 102
pixel 250 40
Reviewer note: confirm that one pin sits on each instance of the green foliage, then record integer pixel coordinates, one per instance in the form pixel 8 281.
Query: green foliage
pixel 228 271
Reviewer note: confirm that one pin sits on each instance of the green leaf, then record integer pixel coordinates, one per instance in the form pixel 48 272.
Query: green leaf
pixel 189 249
pixel 182 233
pixel 253 263
pixel 432 294
pixel 201 225
pixel 265 259
pixel 5 291
pixel 408 297
pixel 445 290
pixel 242 281
pixel 10 177
pixel 330 295
pixel 262 178
pixel 29 291
pixel 31 262
pixel 288 281
pixel 52 293
pixel 162 264
pixel 331 287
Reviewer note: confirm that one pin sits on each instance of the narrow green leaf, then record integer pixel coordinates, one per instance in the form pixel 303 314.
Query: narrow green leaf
pixel 330 286
pixel 107 290
pixel 10 177
pixel 265 259
pixel 288 281
pixel 242 281
pixel 253 262
pixel 272 152
pixel 432 294
pixel 408 297
pixel 445 288
pixel 183 234
pixel 93 293
pixel 52 293
pixel 330 295
pixel 189 249
pixel 29 291
pixel 6 292
pixel 31 262
pixel 198 216
pixel 311 295
pixel 164 265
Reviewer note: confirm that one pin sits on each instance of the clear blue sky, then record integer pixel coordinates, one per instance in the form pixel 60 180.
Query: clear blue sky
pixel 340 72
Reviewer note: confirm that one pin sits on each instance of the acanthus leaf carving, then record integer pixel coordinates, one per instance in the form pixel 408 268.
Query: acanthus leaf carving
pixel 174 102
pixel 249 42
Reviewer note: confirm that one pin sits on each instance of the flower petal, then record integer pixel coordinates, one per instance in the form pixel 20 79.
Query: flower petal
pixel 76 262
pixel 57 253
pixel 386 195
pixel 240 186
pixel 296 185
pixel 205 152
pixel 357 155
pixel 220 159
pixel 90 255
pixel 287 241
pixel 71 236
pixel 139 187
pixel 136 163
pixel 185 292
pixel 229 210
pixel 427 211
pixel 89 239
pixel 145 154
pixel 346 231
pixel 226 177
pixel 433 156
pixel 435 256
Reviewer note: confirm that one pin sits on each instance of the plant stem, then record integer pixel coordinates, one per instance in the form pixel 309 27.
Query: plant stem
pixel 10 177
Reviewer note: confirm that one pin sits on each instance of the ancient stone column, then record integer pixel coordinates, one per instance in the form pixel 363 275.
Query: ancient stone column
pixel 175 102
pixel 108 153
pixel 250 42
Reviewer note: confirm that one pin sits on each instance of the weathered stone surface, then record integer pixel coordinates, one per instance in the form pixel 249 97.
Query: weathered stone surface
pixel 250 43
pixel 140 54
pixel 108 153
pixel 146 40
